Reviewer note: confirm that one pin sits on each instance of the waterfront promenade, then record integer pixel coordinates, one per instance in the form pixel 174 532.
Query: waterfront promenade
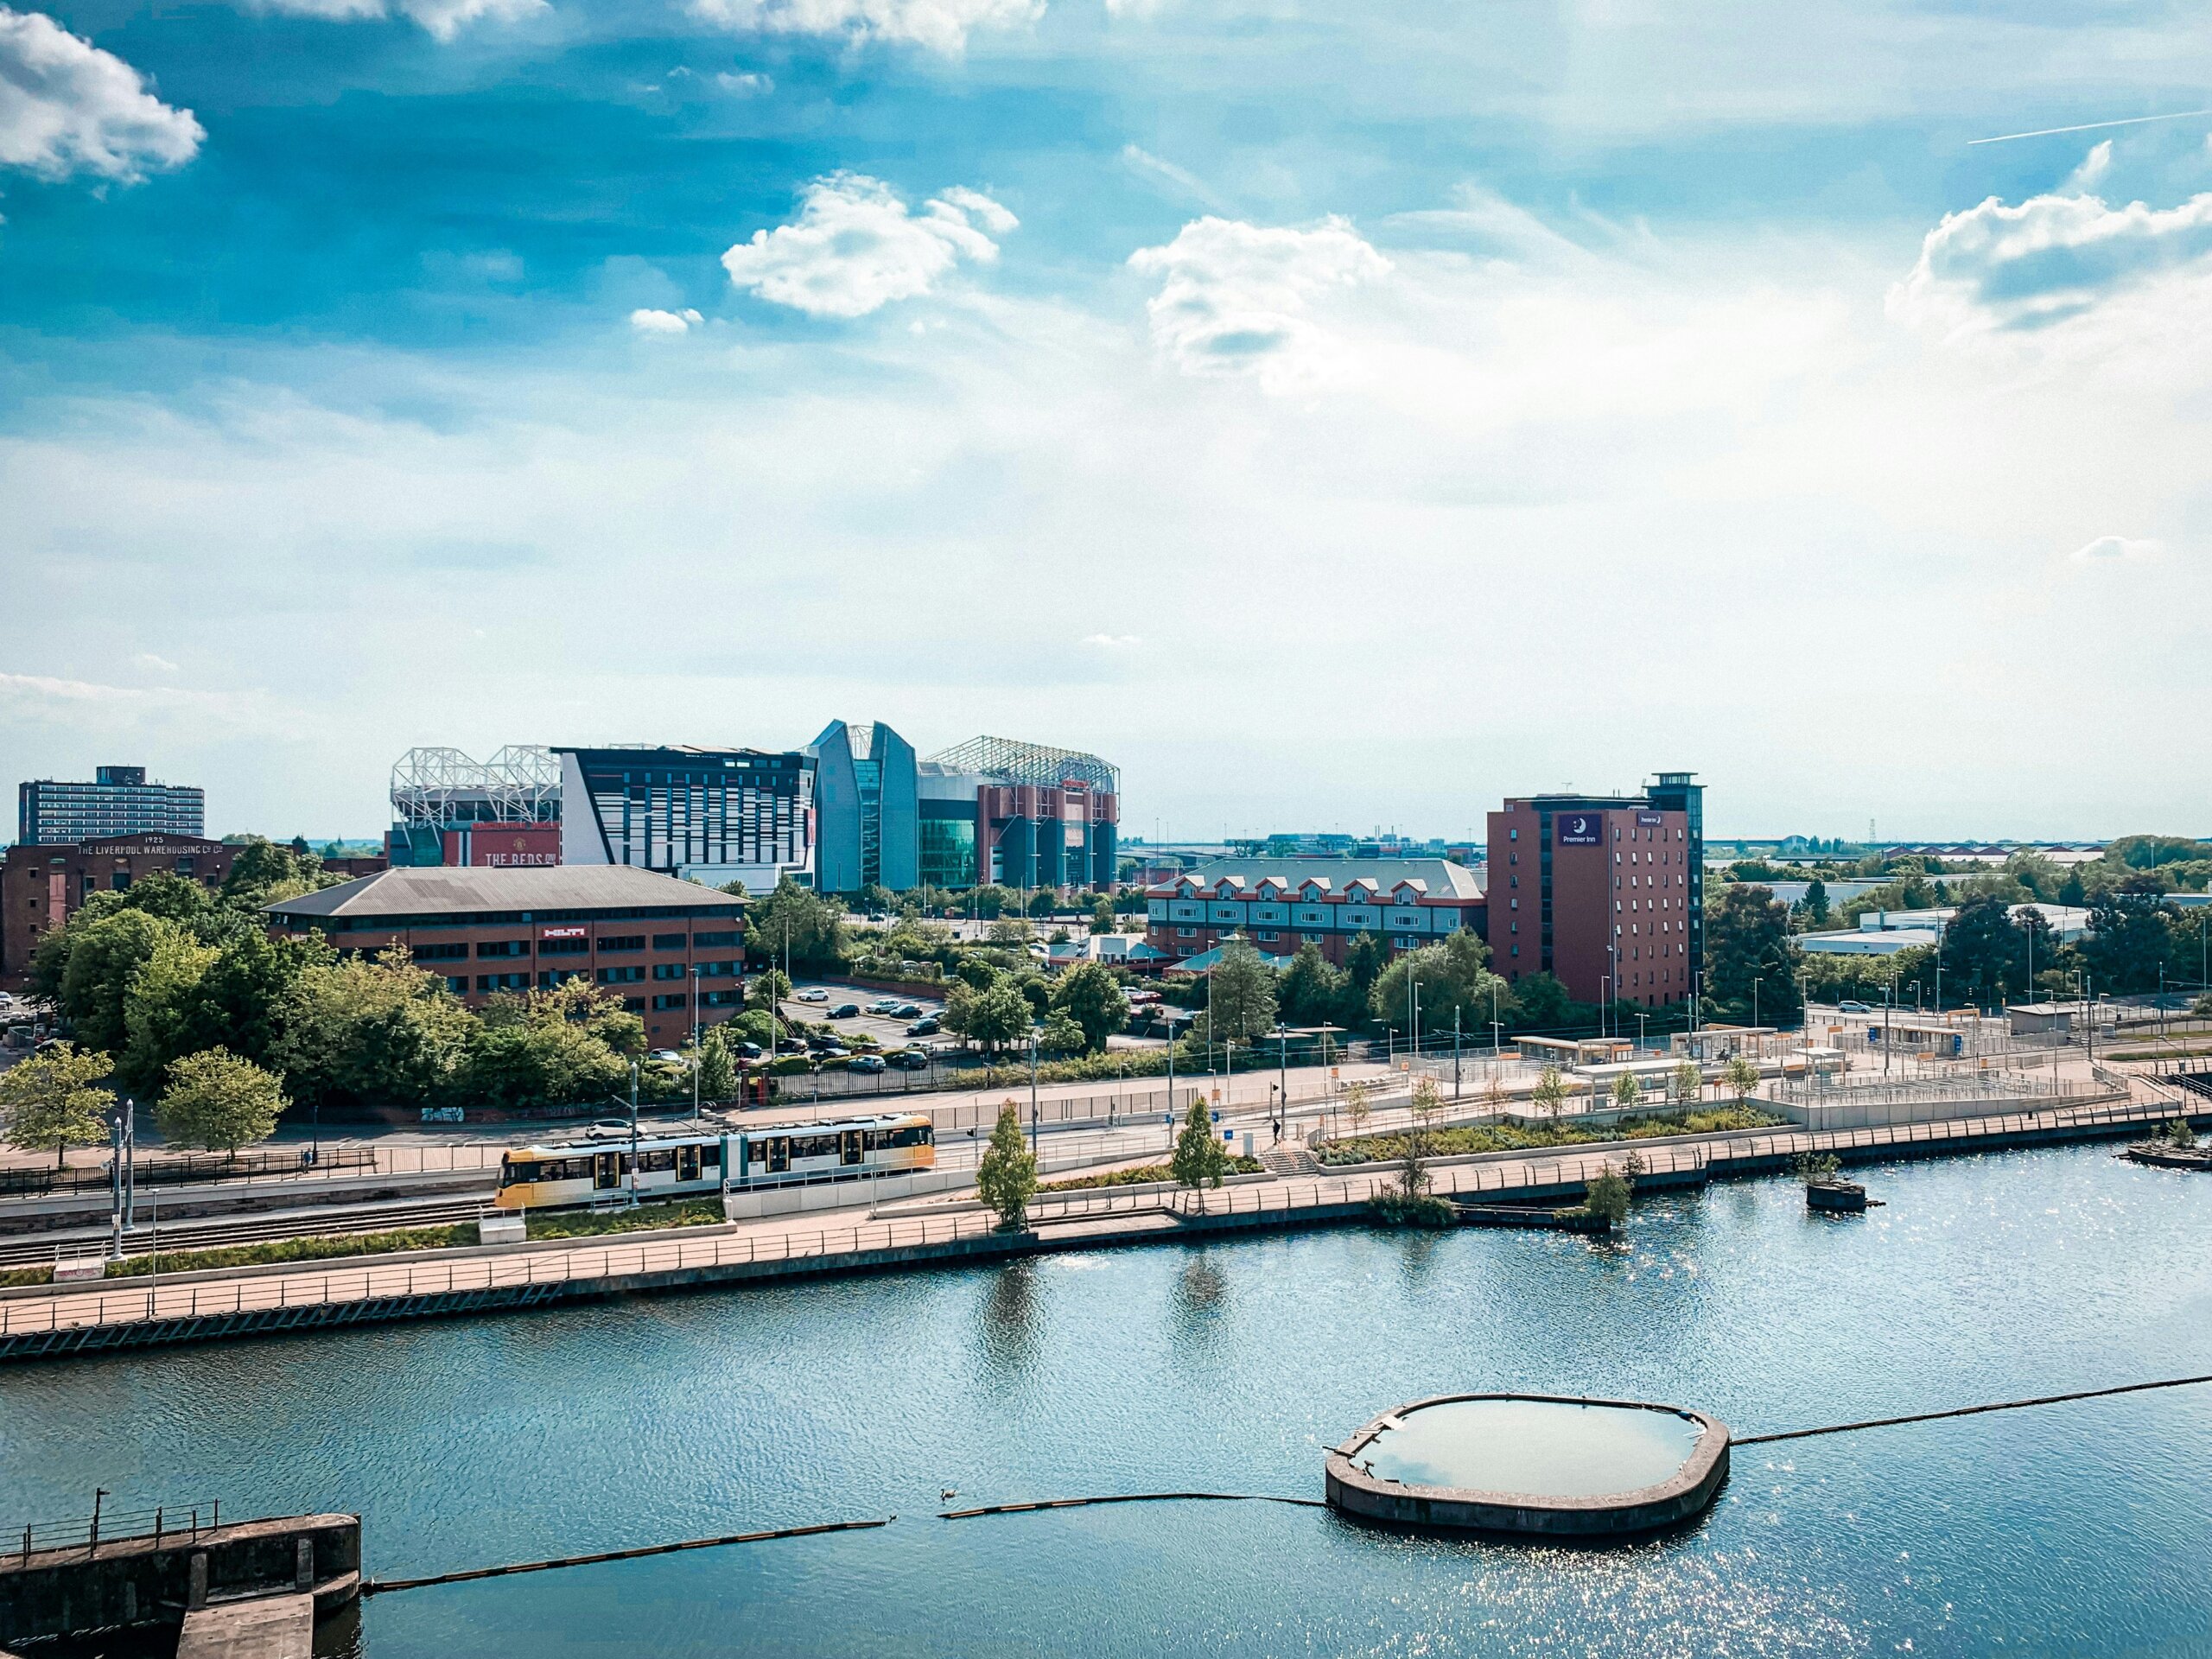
pixel 56 1320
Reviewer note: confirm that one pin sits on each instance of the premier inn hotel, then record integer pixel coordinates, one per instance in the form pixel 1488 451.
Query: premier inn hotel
pixel 1606 892
pixel 670 948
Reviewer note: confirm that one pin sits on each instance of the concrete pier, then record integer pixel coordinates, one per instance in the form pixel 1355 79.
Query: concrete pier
pixel 154 1581
pixel 265 1627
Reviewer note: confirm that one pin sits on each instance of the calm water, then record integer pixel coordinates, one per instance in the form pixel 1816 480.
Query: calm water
pixel 2073 1529
pixel 1533 1446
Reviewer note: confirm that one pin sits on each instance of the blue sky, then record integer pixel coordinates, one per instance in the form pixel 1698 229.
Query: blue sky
pixel 1338 416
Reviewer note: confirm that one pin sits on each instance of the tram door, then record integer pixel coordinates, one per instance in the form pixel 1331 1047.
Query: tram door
pixel 607 1169
pixel 848 1147
pixel 687 1163
pixel 779 1154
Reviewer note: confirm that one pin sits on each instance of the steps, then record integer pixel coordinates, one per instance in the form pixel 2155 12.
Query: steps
pixel 1289 1158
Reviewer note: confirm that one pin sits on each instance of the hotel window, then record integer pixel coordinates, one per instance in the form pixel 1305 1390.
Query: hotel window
pixel 668 970
pixel 1267 937
pixel 1186 932
pixel 674 999
pixel 709 941
pixel 562 947
pixel 622 941
pixel 459 986
pixel 670 940
pixel 620 975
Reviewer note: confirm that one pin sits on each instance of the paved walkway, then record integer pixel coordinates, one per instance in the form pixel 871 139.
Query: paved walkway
pixel 1069 1220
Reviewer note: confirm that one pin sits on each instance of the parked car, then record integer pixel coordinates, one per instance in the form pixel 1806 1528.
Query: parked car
pixel 924 1026
pixel 884 1005
pixel 748 1051
pixel 790 1044
pixel 609 1128
pixel 865 1063
pixel 846 1011
pixel 670 1055
pixel 813 993
pixel 908 1060
pixel 1852 1007
pixel 907 1011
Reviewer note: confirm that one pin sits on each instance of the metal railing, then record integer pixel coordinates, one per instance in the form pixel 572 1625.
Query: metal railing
pixel 186 1521
pixel 64 1308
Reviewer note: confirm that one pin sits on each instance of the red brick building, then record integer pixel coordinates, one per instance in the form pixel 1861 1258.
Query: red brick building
pixel 1605 893
pixel 656 941
pixel 41 886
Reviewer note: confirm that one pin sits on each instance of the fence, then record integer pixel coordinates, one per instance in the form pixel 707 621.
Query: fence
pixel 176 1171
pixel 555 1268
pixel 89 1532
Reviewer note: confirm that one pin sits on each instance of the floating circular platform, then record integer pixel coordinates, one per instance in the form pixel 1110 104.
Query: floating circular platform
pixel 1531 1463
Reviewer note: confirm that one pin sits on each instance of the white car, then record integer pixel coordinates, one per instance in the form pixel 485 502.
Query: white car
pixel 608 1129
pixel 884 1005
pixel 813 993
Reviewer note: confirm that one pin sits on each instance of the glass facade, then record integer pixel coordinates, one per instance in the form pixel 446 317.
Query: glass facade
pixel 949 851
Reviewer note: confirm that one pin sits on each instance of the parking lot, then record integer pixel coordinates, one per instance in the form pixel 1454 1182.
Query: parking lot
pixel 887 1032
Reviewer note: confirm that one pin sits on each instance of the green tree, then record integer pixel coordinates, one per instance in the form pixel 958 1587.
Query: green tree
pixel 989 902
pixel 1607 1195
pixel 1061 1034
pixel 1687 1082
pixel 996 1015
pixel 875 899
pixel 717 1065
pixel 1628 1093
pixel 1422 1112
pixel 262 873
pixel 218 1101
pixel 1310 991
pixel 1006 1176
pixel 1242 1001
pixel 164 1015
pixel 1088 994
pixel 1549 1095
pixel 1358 1106
pixel 1454 980
pixel 1817 912
pixel 1748 943
pixel 373 1031
pixel 529 1057
pixel 1364 963
pixel 2130 936
pixel 1539 1003
pixel 768 989
pixel 1197 1160
pixel 1742 1075
pixel 1982 950
pixel 812 926
pixel 101 959
pixel 1044 902
pixel 1102 914
pixel 55 1099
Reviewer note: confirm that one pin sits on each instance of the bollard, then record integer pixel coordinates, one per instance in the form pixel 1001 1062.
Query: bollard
pixel 304 1565
pixel 196 1595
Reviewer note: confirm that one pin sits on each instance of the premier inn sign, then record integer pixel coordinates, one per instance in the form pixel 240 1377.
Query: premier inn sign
pixel 1579 828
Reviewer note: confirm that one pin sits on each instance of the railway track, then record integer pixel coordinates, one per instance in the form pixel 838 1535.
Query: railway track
pixel 40 1248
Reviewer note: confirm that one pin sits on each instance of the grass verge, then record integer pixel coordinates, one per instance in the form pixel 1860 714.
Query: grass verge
pixel 586 1223
pixel 1506 1137
pixel 1143 1174
pixel 279 1250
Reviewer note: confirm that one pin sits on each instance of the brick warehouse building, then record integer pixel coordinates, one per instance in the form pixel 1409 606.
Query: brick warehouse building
pixel 656 940
pixel 1606 892
pixel 1281 904
pixel 41 886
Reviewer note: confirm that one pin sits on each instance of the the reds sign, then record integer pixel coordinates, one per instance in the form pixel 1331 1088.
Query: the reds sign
pixel 1579 828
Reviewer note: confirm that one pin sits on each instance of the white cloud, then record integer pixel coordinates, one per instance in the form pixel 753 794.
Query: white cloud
pixel 1235 298
pixel 1143 162
pixel 443 19
pixel 854 247
pixel 940 25
pixel 66 107
pixel 1113 641
pixel 2094 166
pixel 750 84
pixel 647 321
pixel 158 664
pixel 2116 549
pixel 2049 259
pixel 89 707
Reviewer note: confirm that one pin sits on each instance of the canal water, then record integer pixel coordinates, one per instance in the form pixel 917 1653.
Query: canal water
pixel 2078 1529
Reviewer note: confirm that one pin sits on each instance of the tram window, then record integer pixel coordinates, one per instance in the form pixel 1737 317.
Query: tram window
pixel 649 1161
pixel 711 1155
pixel 517 1172
pixel 814 1146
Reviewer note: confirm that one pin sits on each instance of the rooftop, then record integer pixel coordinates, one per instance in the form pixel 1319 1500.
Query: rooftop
pixel 460 890
pixel 1440 878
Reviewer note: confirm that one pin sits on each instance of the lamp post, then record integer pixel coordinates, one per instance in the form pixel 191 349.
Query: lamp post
pixel 634 1134
pixel 1032 1088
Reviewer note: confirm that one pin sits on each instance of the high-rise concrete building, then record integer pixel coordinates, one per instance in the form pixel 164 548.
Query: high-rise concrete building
pixel 1605 893
pixel 117 801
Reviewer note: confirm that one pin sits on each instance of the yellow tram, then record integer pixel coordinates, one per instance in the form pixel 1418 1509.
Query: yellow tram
pixel 685 1164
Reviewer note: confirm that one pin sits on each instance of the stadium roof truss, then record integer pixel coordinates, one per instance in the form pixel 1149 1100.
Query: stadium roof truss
pixel 1034 764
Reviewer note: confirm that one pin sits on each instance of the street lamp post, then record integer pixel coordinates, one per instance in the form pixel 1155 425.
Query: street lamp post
pixel 634 1134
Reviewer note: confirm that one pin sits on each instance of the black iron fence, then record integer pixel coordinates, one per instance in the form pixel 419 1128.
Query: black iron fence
pixel 185 1521
pixel 178 1169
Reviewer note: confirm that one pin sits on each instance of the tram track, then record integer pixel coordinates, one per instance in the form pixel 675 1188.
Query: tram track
pixel 41 1248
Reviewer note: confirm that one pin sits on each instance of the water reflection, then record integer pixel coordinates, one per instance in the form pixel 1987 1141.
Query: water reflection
pixel 1198 1307
pixel 1009 1323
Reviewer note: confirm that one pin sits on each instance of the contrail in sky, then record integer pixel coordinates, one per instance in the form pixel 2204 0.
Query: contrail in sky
pixel 2089 126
